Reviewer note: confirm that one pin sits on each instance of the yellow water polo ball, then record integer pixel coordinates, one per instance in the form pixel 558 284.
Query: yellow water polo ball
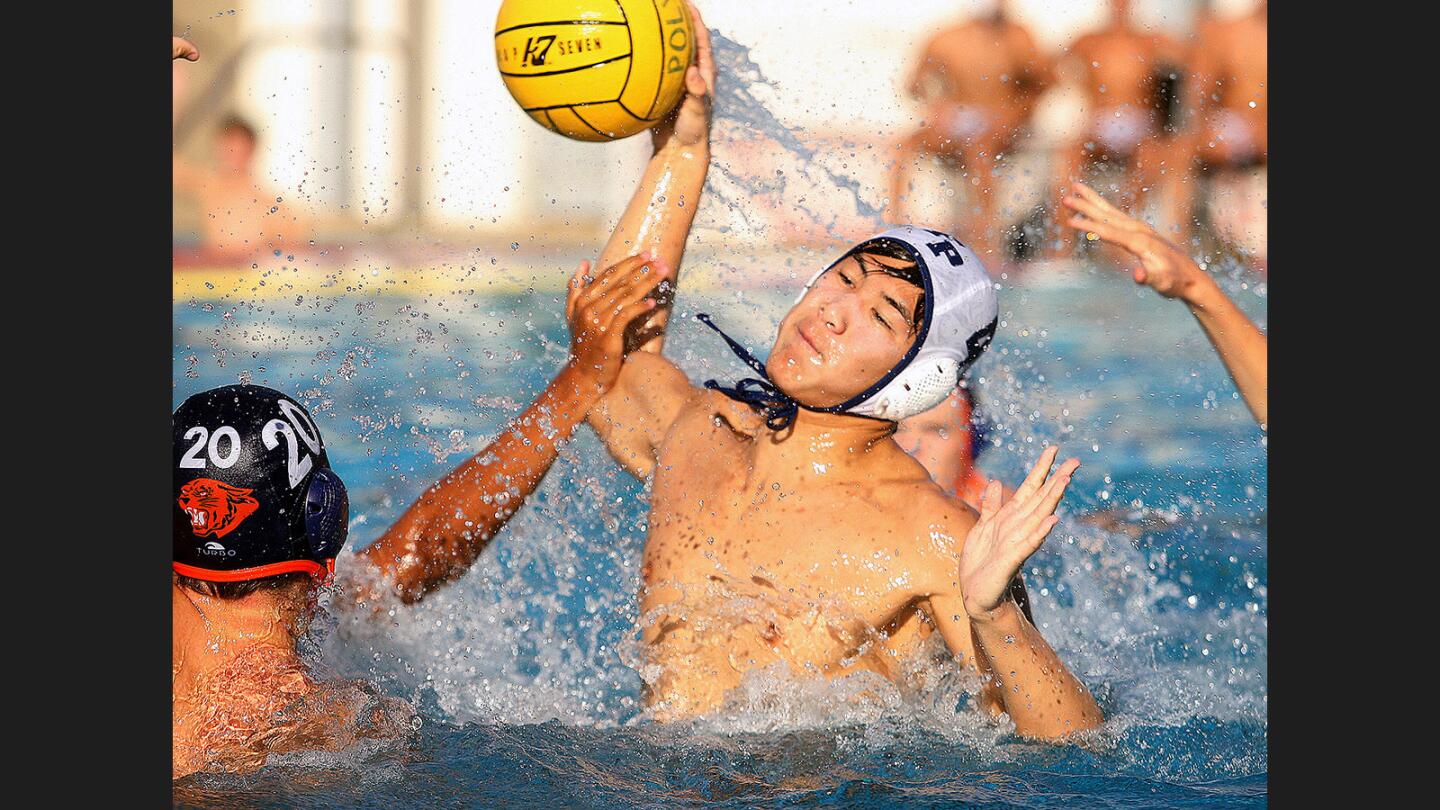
pixel 594 70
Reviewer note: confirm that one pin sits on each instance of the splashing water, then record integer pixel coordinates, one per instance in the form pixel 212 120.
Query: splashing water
pixel 1152 588
pixel 797 174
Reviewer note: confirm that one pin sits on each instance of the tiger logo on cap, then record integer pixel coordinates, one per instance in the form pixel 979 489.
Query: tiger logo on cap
pixel 215 508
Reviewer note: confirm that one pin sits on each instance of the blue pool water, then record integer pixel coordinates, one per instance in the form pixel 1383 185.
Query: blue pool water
pixel 522 671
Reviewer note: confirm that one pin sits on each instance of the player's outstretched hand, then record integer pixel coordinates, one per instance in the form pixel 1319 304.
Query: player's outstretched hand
pixel 1163 266
pixel 1007 534
pixel 182 49
pixel 600 307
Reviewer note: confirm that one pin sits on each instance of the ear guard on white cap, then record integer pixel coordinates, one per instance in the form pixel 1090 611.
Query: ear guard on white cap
pixel 961 313
pixel 960 316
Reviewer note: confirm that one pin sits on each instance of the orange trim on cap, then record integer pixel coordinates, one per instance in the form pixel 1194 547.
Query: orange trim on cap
pixel 310 567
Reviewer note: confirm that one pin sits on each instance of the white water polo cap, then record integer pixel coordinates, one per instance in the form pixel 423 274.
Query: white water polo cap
pixel 960 315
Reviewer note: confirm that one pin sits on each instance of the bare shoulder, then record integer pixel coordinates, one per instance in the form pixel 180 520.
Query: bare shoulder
pixel 715 415
pixel 937 520
pixel 936 524
pixel 657 370
pixel 266 702
pixel 943 509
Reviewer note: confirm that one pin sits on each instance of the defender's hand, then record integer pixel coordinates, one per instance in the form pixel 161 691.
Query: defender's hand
pixel 182 49
pixel 1006 535
pixel 1163 267
pixel 689 124
pixel 598 308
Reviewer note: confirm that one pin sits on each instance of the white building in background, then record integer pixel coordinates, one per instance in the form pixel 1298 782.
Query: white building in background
pixel 347 123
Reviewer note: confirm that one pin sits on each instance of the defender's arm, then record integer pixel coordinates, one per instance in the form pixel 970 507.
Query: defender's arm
pixel 635 415
pixel 977 612
pixel 1242 347
pixel 442 534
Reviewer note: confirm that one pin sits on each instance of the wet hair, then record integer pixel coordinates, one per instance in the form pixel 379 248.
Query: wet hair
pixel 234 123
pixel 240 590
pixel 907 272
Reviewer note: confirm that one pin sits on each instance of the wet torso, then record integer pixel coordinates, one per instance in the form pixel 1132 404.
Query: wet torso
pixel 821 570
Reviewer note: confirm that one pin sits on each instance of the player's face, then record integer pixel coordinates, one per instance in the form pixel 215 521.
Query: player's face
pixel 853 325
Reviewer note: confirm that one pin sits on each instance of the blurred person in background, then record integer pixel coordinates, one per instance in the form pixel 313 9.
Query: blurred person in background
pixel 1167 270
pixel 241 213
pixel 947 439
pixel 978 80
pixel 1228 134
pixel 1229 95
pixel 1121 69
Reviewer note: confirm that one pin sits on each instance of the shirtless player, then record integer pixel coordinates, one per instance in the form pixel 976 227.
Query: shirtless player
pixel 816 543
pixel 1228 132
pixel 1119 67
pixel 979 80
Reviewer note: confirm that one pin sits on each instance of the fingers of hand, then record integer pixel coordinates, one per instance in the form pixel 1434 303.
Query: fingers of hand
pixel 1035 539
pixel 630 312
pixel 1099 229
pixel 1054 489
pixel 703 55
pixel 605 307
pixel 1093 197
pixel 1098 207
pixel 181 47
pixel 573 287
pixel 695 83
pixel 1081 205
pixel 637 286
pixel 990 501
pixel 608 277
pixel 1037 474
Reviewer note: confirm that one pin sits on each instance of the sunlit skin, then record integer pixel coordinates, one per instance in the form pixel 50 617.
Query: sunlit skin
pixel 181 48
pixel 825 547
pixel 1227 100
pixel 978 80
pixel 1117 67
pixel 1166 269
pixel 433 543
pixel 236 658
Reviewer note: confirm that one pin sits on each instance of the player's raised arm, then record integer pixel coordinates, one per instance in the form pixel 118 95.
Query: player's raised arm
pixel 1243 348
pixel 1043 698
pixel 442 534
pixel 659 215
pixel 634 417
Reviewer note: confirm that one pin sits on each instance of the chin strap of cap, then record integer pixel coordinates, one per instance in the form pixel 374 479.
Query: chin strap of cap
pixel 779 409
